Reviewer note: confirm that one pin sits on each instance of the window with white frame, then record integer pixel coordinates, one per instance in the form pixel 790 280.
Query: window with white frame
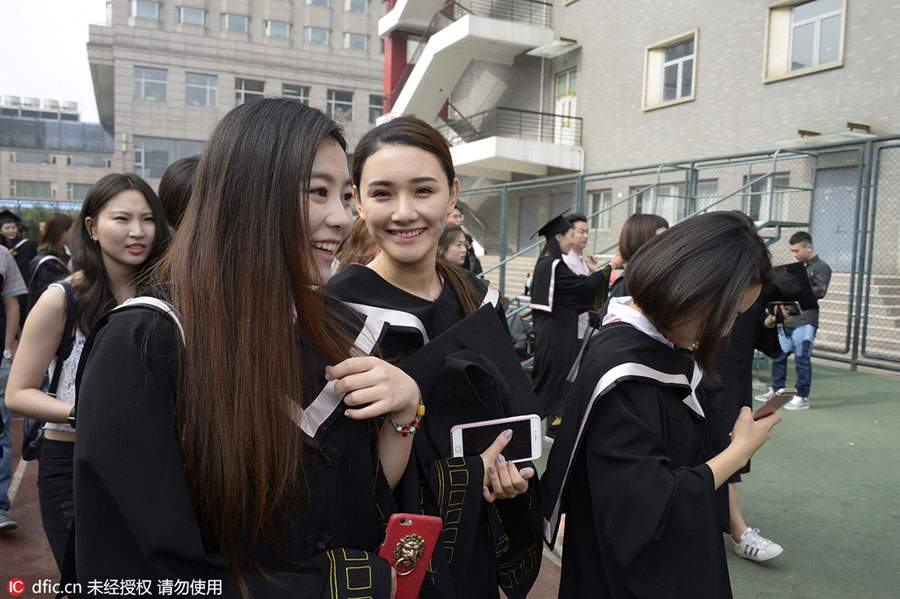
pixel 279 29
pixel 32 157
pixel 340 105
pixel 32 189
pixel 360 6
pixel 376 107
pixel 815 33
pixel 296 92
pixel 803 37
pixel 757 204
pixel 318 2
pixel 236 23
pixel 356 41
pixel 143 9
pixel 77 191
pixel 317 35
pixel 149 84
pixel 245 89
pixel 599 201
pixel 666 199
pixel 200 90
pixel 192 16
pixel 670 71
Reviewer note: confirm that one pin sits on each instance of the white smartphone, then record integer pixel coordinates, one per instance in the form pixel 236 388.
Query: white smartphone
pixel 781 397
pixel 473 438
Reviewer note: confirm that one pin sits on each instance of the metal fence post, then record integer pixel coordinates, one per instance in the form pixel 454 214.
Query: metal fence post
pixel 579 195
pixel 863 234
pixel 504 217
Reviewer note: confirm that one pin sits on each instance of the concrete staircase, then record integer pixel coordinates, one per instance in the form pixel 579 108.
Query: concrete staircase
pixel 517 270
pixel 883 330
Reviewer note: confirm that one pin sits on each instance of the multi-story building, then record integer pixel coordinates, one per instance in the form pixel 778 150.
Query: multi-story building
pixel 784 109
pixel 529 88
pixel 165 71
pixel 47 156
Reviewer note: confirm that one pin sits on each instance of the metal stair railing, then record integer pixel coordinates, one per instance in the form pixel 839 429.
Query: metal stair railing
pixel 533 12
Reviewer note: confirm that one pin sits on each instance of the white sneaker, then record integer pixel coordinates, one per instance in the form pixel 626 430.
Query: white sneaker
pixel 766 396
pixel 754 546
pixel 798 403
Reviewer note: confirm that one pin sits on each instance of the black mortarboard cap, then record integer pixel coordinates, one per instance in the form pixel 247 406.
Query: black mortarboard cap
pixel 557 224
pixel 9 217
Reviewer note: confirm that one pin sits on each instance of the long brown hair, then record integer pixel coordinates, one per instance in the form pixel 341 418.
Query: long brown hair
pixel 93 296
pixel 52 236
pixel 411 131
pixel 701 266
pixel 242 362
pixel 358 247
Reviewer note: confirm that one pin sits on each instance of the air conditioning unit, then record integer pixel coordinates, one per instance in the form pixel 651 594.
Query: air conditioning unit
pixel 11 101
pixel 70 106
pixel 31 103
pixel 50 104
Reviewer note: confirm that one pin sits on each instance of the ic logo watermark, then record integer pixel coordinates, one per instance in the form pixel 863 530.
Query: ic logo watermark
pixel 15 586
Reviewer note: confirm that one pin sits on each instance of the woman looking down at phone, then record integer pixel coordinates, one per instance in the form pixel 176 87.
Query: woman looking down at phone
pixel 404 188
pixel 631 467
pixel 209 444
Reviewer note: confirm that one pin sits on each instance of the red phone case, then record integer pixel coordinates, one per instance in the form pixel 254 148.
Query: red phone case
pixel 408 546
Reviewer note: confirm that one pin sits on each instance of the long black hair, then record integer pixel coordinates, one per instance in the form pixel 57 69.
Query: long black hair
pixel 700 267
pixel 93 295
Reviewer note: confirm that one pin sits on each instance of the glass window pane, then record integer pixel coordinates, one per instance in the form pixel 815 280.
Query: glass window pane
pixel 145 10
pixel 317 2
pixel 802 46
pixel 680 50
pixel 829 39
pixel 815 8
pixel 278 29
pixel 670 83
pixel 573 82
pixel 317 35
pixel 191 16
pixel 561 84
pixel 77 191
pixel 357 6
pixel 687 77
pixel 195 96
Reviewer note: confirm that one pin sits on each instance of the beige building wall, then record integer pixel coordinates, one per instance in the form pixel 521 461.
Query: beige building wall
pixel 177 48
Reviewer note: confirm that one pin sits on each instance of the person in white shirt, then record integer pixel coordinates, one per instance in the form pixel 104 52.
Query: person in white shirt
pixel 581 265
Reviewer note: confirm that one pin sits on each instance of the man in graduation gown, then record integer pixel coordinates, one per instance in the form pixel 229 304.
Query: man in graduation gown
pixel 558 296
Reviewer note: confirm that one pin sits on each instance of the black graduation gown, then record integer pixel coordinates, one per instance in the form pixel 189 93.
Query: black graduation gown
pixel 134 518
pixel 467 371
pixel 24 250
pixel 628 470
pixel 558 296
pixel 732 389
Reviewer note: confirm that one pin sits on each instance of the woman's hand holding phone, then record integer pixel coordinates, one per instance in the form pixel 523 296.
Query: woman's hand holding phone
pixel 502 479
pixel 749 434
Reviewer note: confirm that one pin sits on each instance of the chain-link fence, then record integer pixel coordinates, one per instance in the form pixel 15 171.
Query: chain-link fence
pixel 846 196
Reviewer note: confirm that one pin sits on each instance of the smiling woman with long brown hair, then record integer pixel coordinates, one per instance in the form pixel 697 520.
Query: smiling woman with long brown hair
pixel 215 448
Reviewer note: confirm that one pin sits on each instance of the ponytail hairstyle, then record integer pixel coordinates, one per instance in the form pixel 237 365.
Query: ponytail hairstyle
pixel 54 231
pixel 700 267
pixel 242 368
pixel 93 296
pixel 411 131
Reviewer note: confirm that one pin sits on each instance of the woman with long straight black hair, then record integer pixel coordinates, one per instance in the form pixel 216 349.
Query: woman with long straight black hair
pixel 229 435
pixel 121 233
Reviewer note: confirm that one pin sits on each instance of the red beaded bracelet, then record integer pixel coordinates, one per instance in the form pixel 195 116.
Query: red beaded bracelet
pixel 412 427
